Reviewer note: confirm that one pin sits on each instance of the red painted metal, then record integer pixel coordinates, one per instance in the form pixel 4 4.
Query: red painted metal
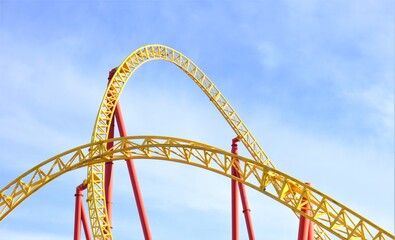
pixel 303 228
pixel 77 215
pixel 108 176
pixel 235 203
pixel 246 211
pixel 235 207
pixel 243 195
pixel 311 223
pixel 78 211
pixel 311 230
pixel 133 178
pixel 306 227
pixel 85 223
pixel 132 171
pixel 108 167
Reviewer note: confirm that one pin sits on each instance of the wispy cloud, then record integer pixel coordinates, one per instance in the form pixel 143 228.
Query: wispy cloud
pixel 313 80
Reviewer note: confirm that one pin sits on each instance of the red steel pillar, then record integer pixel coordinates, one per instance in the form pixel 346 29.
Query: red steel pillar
pixel 306 226
pixel 133 178
pixel 234 189
pixel 85 223
pixel 132 171
pixel 80 214
pixel 108 176
pixel 243 195
pixel 77 216
pixel 311 231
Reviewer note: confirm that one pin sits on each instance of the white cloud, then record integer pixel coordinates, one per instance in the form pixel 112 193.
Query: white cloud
pixel 51 98
pixel 344 169
pixel 270 56
pixel 379 100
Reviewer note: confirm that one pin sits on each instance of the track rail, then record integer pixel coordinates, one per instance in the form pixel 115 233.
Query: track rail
pixel 97 207
pixel 327 213
pixel 258 172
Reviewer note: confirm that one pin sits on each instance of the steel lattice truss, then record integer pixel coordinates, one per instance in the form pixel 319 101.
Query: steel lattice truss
pixel 258 173
pixel 97 207
pixel 328 214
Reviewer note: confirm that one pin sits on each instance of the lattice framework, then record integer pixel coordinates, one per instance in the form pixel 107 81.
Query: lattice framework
pixel 97 208
pixel 328 214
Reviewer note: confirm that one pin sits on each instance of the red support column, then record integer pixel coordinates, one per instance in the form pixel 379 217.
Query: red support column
pixel 311 224
pixel 235 204
pixel 311 231
pixel 78 210
pixel 235 208
pixel 85 223
pixel 77 215
pixel 243 195
pixel 306 227
pixel 108 176
pixel 133 178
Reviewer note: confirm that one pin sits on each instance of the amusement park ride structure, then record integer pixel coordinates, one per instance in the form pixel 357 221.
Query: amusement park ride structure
pixel 320 215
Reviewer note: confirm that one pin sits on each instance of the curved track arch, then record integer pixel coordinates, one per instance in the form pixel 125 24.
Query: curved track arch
pixel 328 214
pixel 258 173
pixel 97 207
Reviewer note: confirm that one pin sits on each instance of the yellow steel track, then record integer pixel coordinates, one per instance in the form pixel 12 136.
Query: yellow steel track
pixel 327 213
pixel 258 173
pixel 97 207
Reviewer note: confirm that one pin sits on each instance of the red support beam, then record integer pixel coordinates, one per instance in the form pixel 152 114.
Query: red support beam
pixel 77 215
pixel 108 176
pixel 306 226
pixel 246 211
pixel 243 194
pixel 311 230
pixel 108 167
pixel 85 223
pixel 133 178
pixel 108 182
pixel 235 203
pixel 235 207
pixel 79 211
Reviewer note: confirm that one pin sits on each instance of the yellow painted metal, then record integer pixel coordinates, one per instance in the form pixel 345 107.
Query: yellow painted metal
pixel 259 173
pixel 327 214
pixel 97 206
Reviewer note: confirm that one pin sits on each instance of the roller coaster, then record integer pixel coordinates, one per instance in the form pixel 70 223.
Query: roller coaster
pixel 320 216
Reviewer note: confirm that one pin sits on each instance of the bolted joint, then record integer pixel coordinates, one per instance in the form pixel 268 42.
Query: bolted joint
pixel 235 140
pixel 246 210
pixel 111 73
pixel 81 187
pixel 234 145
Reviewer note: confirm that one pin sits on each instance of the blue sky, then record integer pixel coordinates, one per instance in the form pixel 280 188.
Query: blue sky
pixel 313 80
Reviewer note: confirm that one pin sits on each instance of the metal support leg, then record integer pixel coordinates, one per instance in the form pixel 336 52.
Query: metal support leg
pixel 311 231
pixel 246 212
pixel 133 178
pixel 80 214
pixel 108 176
pixel 108 167
pixel 235 207
pixel 85 223
pixel 243 195
pixel 77 215
pixel 306 227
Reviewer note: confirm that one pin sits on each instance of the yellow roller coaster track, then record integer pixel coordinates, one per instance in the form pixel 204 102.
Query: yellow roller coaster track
pixel 97 207
pixel 327 213
pixel 258 173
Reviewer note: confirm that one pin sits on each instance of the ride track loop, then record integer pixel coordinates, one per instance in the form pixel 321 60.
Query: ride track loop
pixel 258 173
